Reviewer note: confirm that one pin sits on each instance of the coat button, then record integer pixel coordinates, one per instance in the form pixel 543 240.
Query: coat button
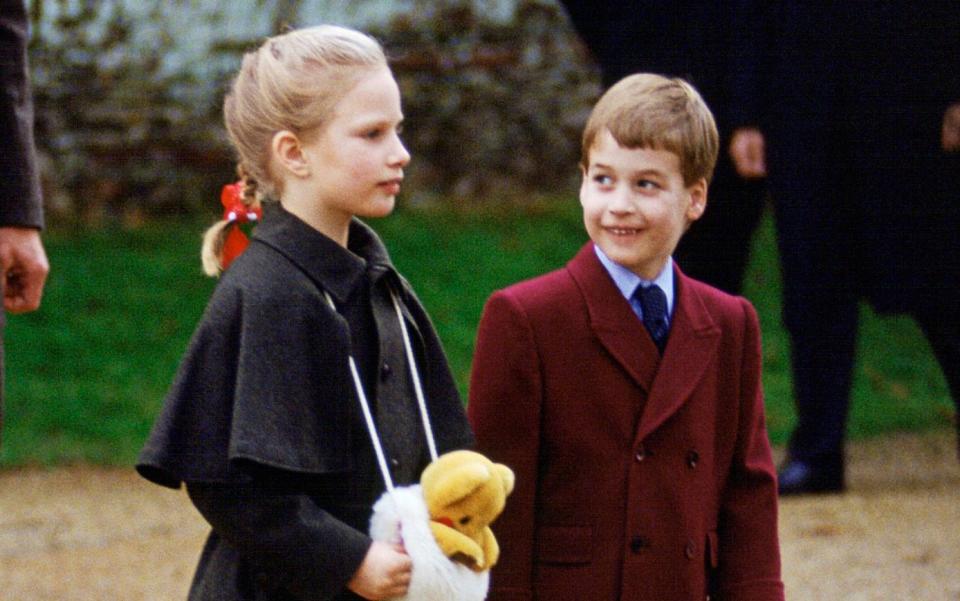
pixel 641 453
pixel 385 371
pixel 693 458
pixel 639 543
pixel 394 464
pixel 690 550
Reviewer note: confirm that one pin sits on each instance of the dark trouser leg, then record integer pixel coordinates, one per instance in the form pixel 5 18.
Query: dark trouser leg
pixel 820 312
pixel 823 354
pixel 716 248
pixel 938 263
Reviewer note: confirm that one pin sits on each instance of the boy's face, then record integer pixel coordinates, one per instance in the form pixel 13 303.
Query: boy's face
pixel 635 205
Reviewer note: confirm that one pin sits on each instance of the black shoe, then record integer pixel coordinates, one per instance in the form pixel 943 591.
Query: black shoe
pixel 801 478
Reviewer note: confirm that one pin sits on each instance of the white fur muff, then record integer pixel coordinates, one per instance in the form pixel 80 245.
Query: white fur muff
pixel 401 516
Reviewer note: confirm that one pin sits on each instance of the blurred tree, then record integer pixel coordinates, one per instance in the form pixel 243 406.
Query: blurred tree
pixel 119 131
pixel 128 96
pixel 285 13
pixel 494 107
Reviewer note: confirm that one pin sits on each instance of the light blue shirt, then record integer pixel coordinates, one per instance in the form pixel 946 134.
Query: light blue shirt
pixel 627 282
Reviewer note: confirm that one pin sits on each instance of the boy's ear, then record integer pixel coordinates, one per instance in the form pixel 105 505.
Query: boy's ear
pixel 698 199
pixel 583 179
pixel 288 153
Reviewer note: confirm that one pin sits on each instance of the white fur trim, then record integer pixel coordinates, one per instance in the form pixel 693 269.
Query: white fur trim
pixel 403 514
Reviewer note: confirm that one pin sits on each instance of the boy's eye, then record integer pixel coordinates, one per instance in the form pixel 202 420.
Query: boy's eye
pixel 603 180
pixel 646 184
pixel 373 134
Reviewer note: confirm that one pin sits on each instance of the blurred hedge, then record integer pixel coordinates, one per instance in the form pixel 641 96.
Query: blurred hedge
pixel 128 98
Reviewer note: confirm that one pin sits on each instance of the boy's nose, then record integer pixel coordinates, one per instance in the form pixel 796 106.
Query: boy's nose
pixel 621 201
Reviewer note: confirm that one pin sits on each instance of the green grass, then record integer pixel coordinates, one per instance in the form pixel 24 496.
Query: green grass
pixel 86 374
pixel 86 371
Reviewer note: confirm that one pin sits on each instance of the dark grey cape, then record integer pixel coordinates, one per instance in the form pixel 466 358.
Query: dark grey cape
pixel 262 422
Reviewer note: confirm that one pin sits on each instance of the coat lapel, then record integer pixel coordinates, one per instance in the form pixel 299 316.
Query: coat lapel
pixel 613 321
pixel 690 350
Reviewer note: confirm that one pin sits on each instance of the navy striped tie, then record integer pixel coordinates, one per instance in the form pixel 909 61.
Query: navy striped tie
pixel 653 301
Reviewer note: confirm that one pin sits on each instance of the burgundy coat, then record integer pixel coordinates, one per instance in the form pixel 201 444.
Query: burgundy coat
pixel 638 477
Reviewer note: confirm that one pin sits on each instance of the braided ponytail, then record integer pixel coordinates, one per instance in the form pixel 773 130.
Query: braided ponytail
pixel 221 242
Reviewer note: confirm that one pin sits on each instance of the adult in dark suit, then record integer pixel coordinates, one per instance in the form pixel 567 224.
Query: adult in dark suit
pixel 22 257
pixel 855 100
pixel 690 40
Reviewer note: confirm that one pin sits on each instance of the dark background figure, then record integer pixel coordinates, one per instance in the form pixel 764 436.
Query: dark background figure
pixel 854 100
pixel 692 40
pixel 22 257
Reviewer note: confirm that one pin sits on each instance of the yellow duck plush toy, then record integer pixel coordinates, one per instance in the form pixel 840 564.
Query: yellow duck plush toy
pixel 465 492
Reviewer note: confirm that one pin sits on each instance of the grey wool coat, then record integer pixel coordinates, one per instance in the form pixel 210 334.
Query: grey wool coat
pixel 264 427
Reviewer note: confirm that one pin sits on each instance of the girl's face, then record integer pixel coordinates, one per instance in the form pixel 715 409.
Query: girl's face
pixel 356 160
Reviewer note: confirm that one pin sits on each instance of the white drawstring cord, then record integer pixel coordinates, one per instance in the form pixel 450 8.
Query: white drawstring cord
pixel 365 405
pixel 415 376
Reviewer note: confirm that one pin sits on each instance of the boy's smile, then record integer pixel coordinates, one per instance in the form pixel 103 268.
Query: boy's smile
pixel 635 204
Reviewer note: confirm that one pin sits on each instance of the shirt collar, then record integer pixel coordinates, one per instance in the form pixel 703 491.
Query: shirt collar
pixel 627 281
pixel 335 268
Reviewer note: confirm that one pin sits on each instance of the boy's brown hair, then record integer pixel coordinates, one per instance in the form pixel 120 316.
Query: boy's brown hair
pixel 645 110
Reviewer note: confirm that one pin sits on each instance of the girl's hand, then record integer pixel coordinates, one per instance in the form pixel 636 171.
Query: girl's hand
pixel 384 573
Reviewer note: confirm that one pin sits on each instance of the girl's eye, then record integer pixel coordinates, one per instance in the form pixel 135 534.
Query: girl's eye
pixel 376 133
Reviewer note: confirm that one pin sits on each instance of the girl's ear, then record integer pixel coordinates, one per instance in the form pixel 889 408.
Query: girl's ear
pixel 288 153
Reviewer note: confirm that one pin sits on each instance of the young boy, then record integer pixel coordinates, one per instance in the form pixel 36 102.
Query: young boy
pixel 632 416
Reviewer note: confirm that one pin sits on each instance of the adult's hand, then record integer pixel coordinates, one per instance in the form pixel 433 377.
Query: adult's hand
pixel 950 139
pixel 25 268
pixel 748 153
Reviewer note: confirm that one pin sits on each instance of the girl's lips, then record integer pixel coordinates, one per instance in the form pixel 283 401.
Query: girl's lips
pixel 391 187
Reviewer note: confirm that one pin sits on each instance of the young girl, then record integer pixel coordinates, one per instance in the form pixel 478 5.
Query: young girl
pixel 262 422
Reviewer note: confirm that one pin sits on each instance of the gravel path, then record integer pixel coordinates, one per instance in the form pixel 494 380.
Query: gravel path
pixel 85 534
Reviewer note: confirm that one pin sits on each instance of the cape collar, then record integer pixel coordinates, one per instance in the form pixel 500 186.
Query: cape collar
pixel 335 268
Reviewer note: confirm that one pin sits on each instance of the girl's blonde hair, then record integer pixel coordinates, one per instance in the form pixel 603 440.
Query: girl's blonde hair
pixel 291 82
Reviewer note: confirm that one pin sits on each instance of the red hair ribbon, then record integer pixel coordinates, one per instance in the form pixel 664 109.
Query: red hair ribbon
pixel 235 212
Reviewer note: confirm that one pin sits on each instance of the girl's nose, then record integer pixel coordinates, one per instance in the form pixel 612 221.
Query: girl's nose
pixel 400 156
